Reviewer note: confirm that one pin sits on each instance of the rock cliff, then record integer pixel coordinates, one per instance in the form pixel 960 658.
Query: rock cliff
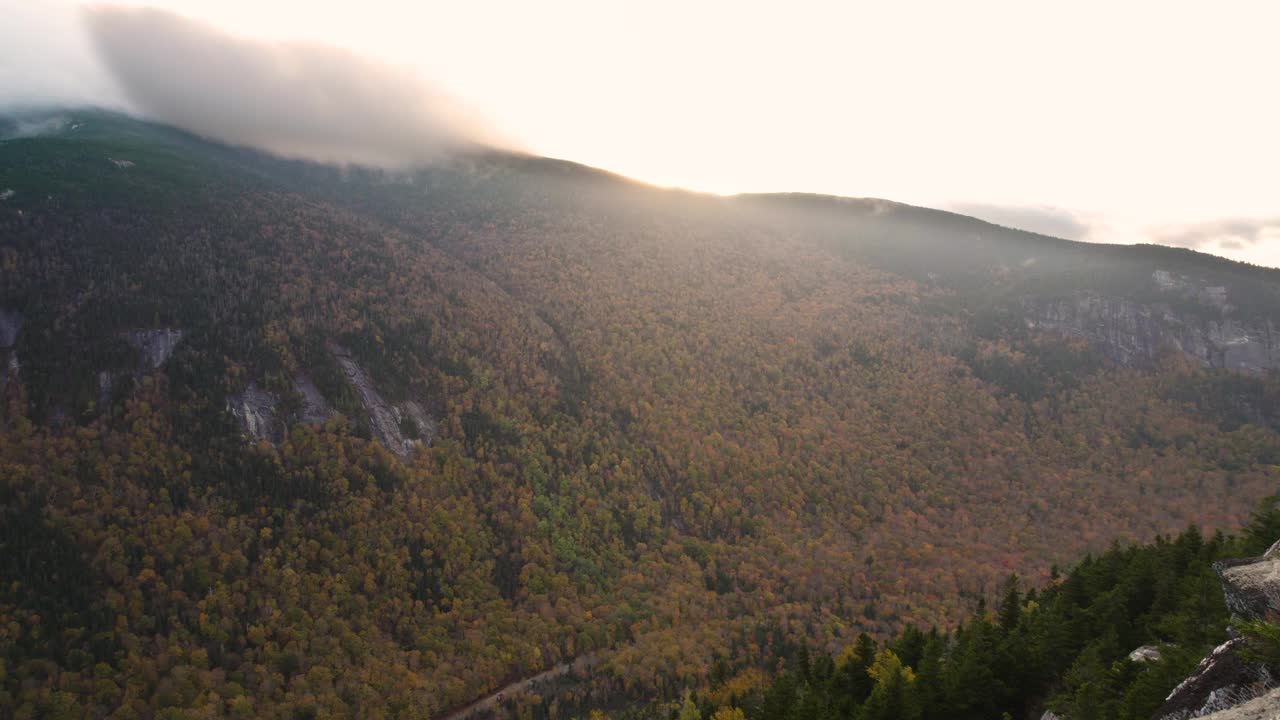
pixel 399 427
pixel 388 422
pixel 154 346
pixel 315 408
pixel 1252 587
pixel 1226 685
pixel 255 409
pixel 1175 315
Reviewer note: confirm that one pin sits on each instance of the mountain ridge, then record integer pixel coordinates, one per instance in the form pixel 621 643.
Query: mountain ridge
pixel 680 431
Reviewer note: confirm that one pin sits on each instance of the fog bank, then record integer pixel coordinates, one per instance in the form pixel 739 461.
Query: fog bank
pixel 297 100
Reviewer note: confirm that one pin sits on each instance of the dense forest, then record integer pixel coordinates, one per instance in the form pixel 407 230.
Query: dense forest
pixel 680 434
pixel 1065 646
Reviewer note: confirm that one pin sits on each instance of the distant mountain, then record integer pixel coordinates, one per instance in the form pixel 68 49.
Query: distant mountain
pixel 281 437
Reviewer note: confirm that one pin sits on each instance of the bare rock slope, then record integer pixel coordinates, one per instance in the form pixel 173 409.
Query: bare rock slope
pixel 1135 333
pixel 386 421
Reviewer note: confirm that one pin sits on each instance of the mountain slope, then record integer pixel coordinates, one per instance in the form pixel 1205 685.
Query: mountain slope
pixel 1110 639
pixel 372 442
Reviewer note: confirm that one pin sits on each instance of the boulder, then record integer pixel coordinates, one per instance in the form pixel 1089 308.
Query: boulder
pixel 1146 653
pixel 1252 587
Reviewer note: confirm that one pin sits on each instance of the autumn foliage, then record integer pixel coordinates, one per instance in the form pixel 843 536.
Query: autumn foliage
pixel 674 430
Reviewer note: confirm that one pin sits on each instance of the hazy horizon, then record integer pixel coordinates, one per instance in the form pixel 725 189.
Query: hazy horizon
pixel 1147 123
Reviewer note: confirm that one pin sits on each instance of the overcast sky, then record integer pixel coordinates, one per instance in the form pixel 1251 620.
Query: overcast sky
pixel 1117 122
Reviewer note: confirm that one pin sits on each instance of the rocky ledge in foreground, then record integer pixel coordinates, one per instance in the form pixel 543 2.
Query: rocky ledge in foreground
pixel 1266 707
pixel 1226 686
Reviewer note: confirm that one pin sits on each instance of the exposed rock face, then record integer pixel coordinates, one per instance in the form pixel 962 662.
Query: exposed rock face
pixel 1134 334
pixel 425 424
pixel 10 324
pixel 384 418
pixel 106 383
pixel 1266 707
pixel 399 428
pixel 155 346
pixel 315 409
pixel 255 409
pixel 1252 587
pixel 1223 681
pixel 1146 653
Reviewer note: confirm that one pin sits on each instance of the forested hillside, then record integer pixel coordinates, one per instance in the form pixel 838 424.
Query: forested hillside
pixel 284 438
pixel 1108 640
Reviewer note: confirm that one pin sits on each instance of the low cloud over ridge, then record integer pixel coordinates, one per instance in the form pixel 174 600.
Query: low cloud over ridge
pixel 1230 234
pixel 297 100
pixel 1052 221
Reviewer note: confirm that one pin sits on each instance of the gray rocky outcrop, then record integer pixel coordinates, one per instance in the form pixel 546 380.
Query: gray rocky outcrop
pixel 1225 682
pixel 1266 707
pixel 399 427
pixel 315 408
pixel 422 421
pixel 1251 587
pixel 1146 653
pixel 10 324
pixel 1222 680
pixel 386 421
pixel 255 410
pixel 154 346
pixel 106 384
pixel 1135 334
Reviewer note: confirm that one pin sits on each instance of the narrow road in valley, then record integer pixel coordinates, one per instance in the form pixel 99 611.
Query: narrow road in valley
pixel 519 687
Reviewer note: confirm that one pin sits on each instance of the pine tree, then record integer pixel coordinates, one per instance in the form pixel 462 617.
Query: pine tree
pixel 1010 604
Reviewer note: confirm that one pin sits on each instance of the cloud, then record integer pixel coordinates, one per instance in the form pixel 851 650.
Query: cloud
pixel 23 127
pixel 1043 219
pixel 46 58
pixel 1228 234
pixel 297 100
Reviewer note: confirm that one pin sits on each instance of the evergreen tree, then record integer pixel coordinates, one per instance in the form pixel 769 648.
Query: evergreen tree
pixel 1065 644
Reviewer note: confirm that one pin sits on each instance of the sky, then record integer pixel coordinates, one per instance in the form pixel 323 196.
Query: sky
pixel 1103 121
